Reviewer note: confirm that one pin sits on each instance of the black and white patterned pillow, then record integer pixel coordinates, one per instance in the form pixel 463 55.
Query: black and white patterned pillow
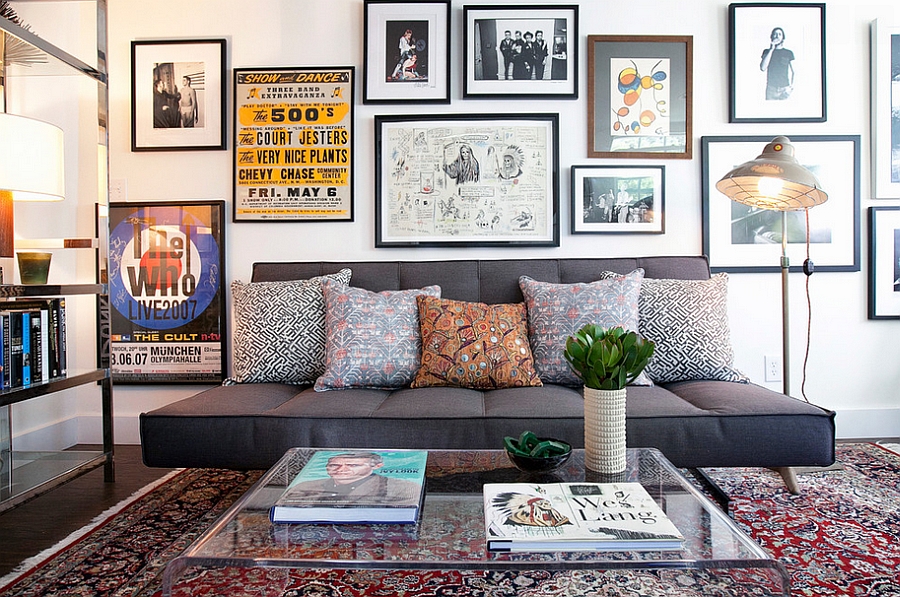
pixel 279 330
pixel 688 321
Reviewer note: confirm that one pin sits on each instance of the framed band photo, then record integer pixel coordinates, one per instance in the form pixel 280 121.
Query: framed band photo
pixel 618 199
pixel 777 62
pixel 407 52
pixel 740 238
pixel 473 180
pixel 177 95
pixel 520 51
pixel 885 110
pixel 884 263
pixel 639 96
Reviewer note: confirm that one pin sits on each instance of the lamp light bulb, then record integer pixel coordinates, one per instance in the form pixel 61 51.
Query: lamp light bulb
pixel 770 187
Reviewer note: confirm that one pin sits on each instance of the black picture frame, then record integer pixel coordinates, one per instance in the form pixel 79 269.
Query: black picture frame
pixel 419 74
pixel 765 85
pixel 738 238
pixel 467 180
pixel 162 119
pixel 600 195
pixel 167 292
pixel 490 71
pixel 884 263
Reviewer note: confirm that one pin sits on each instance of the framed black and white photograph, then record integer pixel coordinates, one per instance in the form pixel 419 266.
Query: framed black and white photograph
pixel 166 291
pixel 885 110
pixel 520 51
pixel 777 62
pixel 178 95
pixel 618 199
pixel 639 96
pixel 407 52
pixel 884 263
pixel 467 180
pixel 740 238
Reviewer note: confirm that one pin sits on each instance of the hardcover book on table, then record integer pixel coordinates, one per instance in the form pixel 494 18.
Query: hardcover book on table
pixel 576 516
pixel 355 486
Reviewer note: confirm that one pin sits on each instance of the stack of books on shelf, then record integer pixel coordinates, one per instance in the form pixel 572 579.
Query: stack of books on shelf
pixel 32 342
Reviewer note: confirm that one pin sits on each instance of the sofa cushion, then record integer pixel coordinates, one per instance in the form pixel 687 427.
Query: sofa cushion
pixel 556 311
pixel 474 345
pixel 372 338
pixel 279 330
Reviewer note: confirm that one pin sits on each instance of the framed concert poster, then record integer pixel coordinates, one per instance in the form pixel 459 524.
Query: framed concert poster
pixel 885 110
pixel 167 301
pixel 467 180
pixel 407 52
pixel 178 95
pixel 610 199
pixel 293 144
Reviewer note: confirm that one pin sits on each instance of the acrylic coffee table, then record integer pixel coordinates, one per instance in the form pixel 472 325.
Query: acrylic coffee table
pixel 450 533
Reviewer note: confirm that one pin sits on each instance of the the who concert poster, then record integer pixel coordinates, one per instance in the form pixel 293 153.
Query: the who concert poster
pixel 166 261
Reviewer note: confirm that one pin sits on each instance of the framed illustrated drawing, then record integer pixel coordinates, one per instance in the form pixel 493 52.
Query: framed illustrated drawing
pixel 885 110
pixel 467 180
pixel 884 263
pixel 520 51
pixel 740 238
pixel 407 52
pixel 777 62
pixel 639 96
pixel 167 300
pixel 618 199
pixel 293 144
pixel 178 95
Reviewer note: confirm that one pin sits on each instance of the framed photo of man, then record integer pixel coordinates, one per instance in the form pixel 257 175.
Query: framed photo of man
pixel 177 95
pixel 777 62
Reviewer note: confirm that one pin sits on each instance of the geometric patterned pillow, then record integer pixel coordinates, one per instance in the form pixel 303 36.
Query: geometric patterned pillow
pixel 372 338
pixel 474 345
pixel 279 330
pixel 688 321
pixel 557 311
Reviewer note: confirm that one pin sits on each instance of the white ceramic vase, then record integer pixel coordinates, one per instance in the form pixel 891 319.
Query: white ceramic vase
pixel 604 430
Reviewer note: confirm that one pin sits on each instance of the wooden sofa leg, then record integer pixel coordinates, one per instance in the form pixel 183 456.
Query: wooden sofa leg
pixel 790 479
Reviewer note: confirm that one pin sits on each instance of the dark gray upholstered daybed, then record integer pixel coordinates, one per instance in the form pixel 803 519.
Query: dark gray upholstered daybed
pixel 694 423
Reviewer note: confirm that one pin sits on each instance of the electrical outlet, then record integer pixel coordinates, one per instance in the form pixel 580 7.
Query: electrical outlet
pixel 118 189
pixel 773 368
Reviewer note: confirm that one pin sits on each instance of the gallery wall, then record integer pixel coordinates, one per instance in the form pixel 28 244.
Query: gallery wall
pixel 851 367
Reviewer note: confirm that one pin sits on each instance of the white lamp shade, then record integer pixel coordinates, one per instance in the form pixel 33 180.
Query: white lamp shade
pixel 32 160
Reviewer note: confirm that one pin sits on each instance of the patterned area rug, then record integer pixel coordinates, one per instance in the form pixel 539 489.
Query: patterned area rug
pixel 840 537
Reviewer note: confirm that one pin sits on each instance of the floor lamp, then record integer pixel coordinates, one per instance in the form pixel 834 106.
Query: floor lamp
pixel 776 181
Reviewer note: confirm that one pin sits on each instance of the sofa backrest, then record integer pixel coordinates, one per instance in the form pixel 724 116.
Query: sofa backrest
pixel 487 281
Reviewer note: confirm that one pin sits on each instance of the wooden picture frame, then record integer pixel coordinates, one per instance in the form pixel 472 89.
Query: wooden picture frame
pixel 885 110
pixel 884 263
pixel 618 199
pixel 165 116
pixel 167 292
pixel 293 144
pixel 407 52
pixel 520 51
pixel 777 62
pixel 640 96
pixel 472 180
pixel 739 238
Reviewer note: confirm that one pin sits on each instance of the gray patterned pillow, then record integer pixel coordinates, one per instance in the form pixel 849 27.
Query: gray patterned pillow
pixel 279 330
pixel 688 321
pixel 556 311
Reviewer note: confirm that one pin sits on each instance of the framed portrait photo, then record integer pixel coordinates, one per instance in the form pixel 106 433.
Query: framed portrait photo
pixel 639 96
pixel 885 110
pixel 884 263
pixel 618 199
pixel 740 238
pixel 467 180
pixel 777 62
pixel 520 51
pixel 178 95
pixel 407 52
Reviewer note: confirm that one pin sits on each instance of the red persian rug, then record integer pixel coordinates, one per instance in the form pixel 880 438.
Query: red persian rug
pixel 840 537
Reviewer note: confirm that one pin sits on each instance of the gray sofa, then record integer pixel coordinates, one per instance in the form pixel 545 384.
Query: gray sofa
pixel 694 423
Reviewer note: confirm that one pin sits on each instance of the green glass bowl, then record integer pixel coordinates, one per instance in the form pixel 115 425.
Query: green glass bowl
pixel 546 464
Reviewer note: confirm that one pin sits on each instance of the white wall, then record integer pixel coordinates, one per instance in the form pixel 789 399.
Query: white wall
pixel 853 365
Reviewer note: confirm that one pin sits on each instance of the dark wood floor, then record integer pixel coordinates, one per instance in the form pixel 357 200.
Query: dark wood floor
pixel 32 527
